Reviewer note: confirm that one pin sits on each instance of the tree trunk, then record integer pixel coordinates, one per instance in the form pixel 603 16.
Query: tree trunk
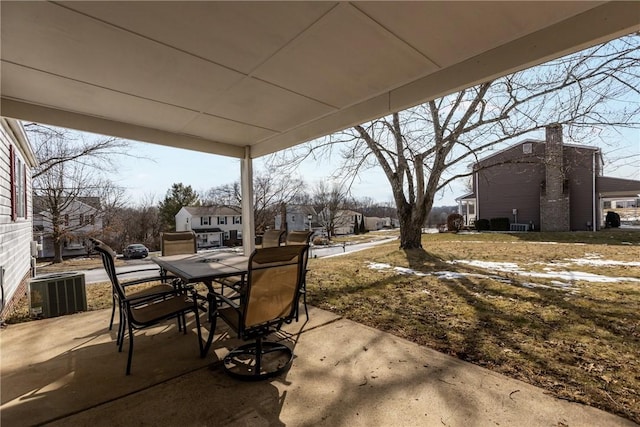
pixel 410 232
pixel 57 251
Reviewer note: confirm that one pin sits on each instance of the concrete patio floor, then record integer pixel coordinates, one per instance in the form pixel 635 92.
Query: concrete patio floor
pixel 66 371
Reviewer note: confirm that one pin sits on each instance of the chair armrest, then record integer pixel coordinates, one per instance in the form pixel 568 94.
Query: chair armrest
pixel 137 271
pixel 150 297
pixel 141 281
pixel 227 300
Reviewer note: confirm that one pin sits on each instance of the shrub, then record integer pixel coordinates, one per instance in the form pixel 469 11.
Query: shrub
pixel 612 220
pixel 483 225
pixel 455 222
pixel 499 224
pixel 320 240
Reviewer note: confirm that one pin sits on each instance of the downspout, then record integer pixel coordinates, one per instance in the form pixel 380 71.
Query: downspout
pixel 476 192
pixel 593 194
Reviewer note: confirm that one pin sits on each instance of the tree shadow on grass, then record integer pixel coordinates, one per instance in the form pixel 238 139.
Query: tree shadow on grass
pixel 547 337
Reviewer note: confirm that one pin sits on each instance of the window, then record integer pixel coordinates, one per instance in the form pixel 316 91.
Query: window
pixel 226 234
pixel 471 208
pixel 205 220
pixel 607 205
pixel 237 220
pixel 18 178
pixel 222 220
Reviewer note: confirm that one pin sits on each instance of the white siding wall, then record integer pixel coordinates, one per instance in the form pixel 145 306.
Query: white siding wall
pixel 183 220
pixel 15 236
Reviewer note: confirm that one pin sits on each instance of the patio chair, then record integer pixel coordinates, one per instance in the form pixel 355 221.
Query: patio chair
pixel 301 238
pixel 177 243
pixel 146 308
pixel 266 302
pixel 113 275
pixel 272 238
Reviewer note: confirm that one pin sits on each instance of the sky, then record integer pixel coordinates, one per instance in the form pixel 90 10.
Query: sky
pixel 157 167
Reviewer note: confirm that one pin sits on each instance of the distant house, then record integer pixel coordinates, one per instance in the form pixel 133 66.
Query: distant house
pixel 16 227
pixel 80 220
pixel 544 185
pixel 345 222
pixel 214 226
pixel 373 223
pixel 297 218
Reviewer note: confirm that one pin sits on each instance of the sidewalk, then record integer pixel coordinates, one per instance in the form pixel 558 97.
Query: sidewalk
pixel 66 371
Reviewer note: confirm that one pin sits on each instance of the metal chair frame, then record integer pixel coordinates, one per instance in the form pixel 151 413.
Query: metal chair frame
pixel 250 314
pixel 146 308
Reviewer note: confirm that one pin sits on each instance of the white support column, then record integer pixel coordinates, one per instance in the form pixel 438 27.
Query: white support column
pixel 246 185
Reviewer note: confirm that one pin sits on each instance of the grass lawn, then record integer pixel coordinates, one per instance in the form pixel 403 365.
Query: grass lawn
pixel 557 310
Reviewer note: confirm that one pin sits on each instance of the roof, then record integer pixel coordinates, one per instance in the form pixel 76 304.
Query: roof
pixel 15 128
pixel 618 187
pixel 252 78
pixel 207 230
pixel 212 210
pixel 471 195
pixel 300 210
pixel 534 141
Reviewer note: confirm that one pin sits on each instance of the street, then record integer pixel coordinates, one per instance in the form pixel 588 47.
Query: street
pixel 144 268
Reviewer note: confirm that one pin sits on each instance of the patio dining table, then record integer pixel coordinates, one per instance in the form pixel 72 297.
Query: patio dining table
pixel 204 268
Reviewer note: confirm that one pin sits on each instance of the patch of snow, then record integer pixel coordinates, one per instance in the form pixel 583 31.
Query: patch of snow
pixel 378 266
pixel 430 231
pixel 448 275
pixel 602 262
pixel 408 271
pixel 510 267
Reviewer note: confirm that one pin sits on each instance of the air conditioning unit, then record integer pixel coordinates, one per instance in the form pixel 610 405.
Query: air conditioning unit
pixel 57 294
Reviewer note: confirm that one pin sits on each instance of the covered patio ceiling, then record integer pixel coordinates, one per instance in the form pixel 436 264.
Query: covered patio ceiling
pixel 218 77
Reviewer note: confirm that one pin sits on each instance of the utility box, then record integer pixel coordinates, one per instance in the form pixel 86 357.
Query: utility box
pixel 57 294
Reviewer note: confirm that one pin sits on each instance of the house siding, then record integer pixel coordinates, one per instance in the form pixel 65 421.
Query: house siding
pixel 15 235
pixel 579 166
pixel 513 179
pixel 77 242
pixel 497 196
pixel 218 218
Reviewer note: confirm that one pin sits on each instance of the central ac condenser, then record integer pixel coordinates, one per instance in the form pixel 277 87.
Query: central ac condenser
pixel 57 294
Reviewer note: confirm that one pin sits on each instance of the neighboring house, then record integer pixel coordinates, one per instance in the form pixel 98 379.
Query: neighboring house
pixel 345 221
pixel 80 220
pixel 16 227
pixel 214 226
pixel 373 223
pixel 544 185
pixel 297 218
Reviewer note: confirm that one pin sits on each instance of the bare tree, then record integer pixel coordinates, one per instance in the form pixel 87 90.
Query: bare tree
pixel 328 201
pixel 71 186
pixel 425 148
pixel 270 191
pixel 228 195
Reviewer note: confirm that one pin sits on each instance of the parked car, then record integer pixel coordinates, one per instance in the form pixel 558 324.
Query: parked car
pixel 136 250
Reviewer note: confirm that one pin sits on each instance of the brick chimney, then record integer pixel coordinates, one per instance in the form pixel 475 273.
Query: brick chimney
pixel 554 194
